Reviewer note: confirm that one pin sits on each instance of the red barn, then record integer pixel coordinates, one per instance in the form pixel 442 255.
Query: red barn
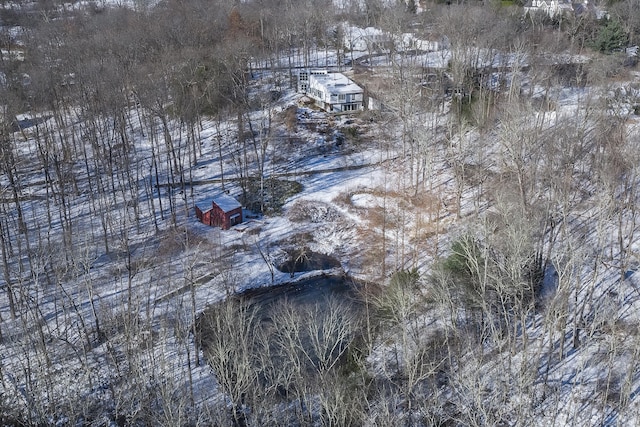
pixel 224 212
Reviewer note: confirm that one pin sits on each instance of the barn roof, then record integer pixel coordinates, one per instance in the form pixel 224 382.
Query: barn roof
pixel 226 202
pixel 204 205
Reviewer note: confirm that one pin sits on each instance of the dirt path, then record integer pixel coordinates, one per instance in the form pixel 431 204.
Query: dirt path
pixel 278 175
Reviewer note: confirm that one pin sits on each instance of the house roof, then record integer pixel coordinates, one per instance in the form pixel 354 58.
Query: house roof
pixel 337 83
pixel 226 202
pixel 204 205
pixel 352 33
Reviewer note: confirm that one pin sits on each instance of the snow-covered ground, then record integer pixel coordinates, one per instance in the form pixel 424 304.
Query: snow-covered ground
pixel 104 256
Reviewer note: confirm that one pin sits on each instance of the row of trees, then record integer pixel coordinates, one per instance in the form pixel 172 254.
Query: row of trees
pixel 546 197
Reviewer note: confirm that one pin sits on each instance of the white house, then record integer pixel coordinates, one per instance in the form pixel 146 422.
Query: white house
pixel 550 7
pixel 368 39
pixel 409 41
pixel 333 92
pixel 555 8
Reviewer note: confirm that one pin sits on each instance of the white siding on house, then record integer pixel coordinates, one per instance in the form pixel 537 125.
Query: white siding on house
pixel 364 39
pixel 550 7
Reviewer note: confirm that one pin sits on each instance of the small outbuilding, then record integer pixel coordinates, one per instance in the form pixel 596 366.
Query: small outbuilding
pixel 224 212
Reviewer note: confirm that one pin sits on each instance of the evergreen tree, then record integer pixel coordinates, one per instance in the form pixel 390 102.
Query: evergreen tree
pixel 610 37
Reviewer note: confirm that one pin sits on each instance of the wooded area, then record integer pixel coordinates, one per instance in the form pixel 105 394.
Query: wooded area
pixel 500 217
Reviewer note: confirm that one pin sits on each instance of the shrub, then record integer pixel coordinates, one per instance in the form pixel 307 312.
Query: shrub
pixel 351 133
pixel 290 118
pixel 315 212
pixel 270 195
pixel 397 300
pixel 465 256
pixel 610 37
